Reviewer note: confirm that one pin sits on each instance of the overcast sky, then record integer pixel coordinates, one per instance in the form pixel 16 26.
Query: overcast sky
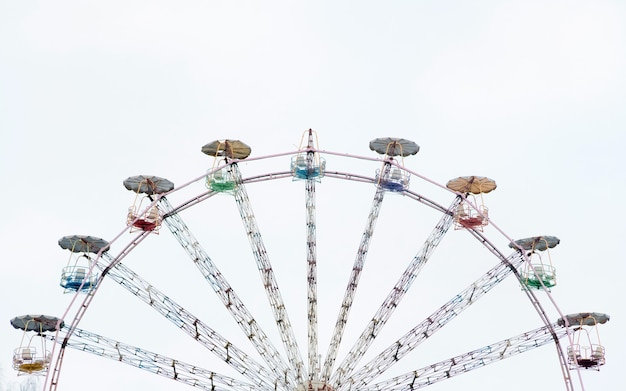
pixel 529 93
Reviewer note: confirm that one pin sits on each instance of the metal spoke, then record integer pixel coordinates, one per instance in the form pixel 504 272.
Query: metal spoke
pixel 191 325
pixel 433 323
pixel 52 377
pixel 471 360
pixel 267 276
pixel 395 296
pixel 152 362
pixel 357 268
pixel 311 279
pixel 229 298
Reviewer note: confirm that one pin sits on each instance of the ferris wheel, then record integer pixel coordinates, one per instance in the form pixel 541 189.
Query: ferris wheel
pixel 271 229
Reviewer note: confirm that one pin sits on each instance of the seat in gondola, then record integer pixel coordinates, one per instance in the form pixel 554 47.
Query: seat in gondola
pixel 307 163
pixel 76 275
pixel 27 358
pixel 586 352
pixel 144 214
pixel 538 272
pixel 471 212
pixel 305 167
pixel 220 178
pixel 75 278
pixel 392 176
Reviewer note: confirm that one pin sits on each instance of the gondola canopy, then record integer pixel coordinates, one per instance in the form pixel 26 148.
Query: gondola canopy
pixel 471 184
pixel 539 243
pixel 148 184
pixel 36 323
pixel 233 149
pixel 392 146
pixel 83 244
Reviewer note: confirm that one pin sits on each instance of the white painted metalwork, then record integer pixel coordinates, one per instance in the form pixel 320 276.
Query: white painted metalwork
pixel 326 368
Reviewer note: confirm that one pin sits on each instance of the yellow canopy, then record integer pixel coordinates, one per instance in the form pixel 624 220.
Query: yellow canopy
pixel 233 149
pixel 471 184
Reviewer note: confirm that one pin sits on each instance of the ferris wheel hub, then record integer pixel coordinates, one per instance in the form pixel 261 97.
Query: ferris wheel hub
pixel 314 385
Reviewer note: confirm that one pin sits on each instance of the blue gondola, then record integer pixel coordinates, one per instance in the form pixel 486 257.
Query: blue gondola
pixel 301 170
pixel 395 180
pixel 76 278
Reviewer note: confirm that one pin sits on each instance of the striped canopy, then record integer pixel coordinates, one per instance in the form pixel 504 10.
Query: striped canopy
pixel 471 184
pixel 233 149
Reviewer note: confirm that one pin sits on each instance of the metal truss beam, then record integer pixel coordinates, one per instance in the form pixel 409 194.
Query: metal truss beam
pixel 311 256
pixel 193 326
pixel 432 324
pixel 471 360
pixel 267 276
pixel 52 376
pixel 152 362
pixel 395 295
pixel 353 282
pixel 225 292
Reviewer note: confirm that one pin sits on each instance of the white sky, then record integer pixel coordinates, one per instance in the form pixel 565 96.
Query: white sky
pixel 529 93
